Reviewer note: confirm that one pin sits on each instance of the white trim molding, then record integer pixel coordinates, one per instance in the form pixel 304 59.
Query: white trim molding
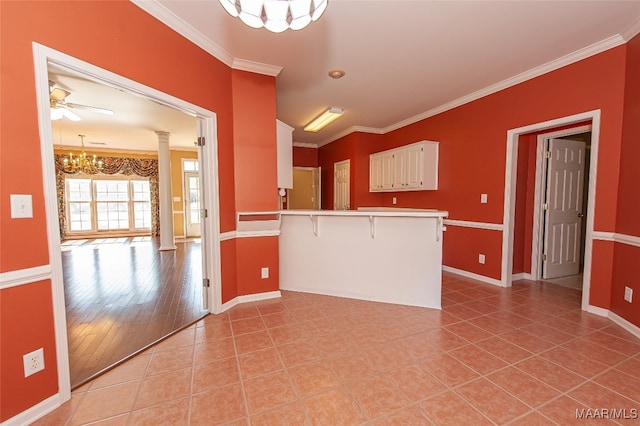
pixel 627 325
pixel 477 225
pixel 256 67
pixel 34 413
pixel 630 240
pixel 472 275
pixel 24 276
pixel 247 298
pixel 232 235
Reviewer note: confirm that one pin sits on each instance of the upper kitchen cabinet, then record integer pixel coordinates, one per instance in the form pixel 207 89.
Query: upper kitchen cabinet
pixel 285 154
pixel 412 167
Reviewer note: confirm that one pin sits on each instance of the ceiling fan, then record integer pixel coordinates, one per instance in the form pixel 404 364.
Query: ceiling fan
pixel 61 108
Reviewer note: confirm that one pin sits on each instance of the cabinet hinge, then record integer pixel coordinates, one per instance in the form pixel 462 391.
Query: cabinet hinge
pixel 544 257
pixel 547 154
pixel 205 283
pixel 203 213
pixel 200 141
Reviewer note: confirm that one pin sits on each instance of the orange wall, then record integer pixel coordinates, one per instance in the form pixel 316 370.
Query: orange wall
pixel 254 254
pixel 135 45
pixel 305 157
pixel 27 313
pixel 626 268
pixel 472 153
pixel 357 147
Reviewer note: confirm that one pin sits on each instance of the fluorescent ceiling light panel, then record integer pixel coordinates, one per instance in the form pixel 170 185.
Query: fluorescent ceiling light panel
pixel 323 119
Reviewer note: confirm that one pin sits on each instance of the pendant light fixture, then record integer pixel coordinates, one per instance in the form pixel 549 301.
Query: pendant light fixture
pixel 276 15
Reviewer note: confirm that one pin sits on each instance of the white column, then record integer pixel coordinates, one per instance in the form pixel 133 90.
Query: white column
pixel 167 241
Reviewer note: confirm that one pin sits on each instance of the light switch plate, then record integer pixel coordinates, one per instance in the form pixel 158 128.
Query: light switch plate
pixel 265 273
pixel 21 206
pixel 483 198
pixel 628 294
pixel 481 259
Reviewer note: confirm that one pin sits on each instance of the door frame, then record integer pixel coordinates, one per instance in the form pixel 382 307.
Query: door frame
pixel 538 197
pixel 317 171
pixel 335 180
pixel 511 169
pixel 207 127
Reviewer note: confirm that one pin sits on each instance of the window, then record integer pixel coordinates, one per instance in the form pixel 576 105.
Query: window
pixel 108 204
pixel 190 165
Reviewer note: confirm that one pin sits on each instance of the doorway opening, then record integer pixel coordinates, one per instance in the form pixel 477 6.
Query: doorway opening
pixel 305 194
pixel 205 122
pixel 550 129
pixel 565 188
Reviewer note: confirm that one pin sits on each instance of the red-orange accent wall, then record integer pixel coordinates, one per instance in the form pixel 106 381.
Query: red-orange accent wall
pixel 27 314
pixel 305 157
pixel 626 267
pixel 357 147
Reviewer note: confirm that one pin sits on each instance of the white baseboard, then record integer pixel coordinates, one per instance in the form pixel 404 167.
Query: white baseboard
pixel 522 276
pixel 472 275
pixel 256 297
pixel 630 327
pixel 259 296
pixel 34 413
pixel 597 311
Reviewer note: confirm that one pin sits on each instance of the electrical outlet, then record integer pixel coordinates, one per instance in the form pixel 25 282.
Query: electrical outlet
pixel 481 258
pixel 483 198
pixel 33 362
pixel 394 200
pixel 628 294
pixel 265 273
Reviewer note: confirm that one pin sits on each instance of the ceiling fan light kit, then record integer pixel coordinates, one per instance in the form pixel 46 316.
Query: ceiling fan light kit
pixel 60 107
pixel 276 15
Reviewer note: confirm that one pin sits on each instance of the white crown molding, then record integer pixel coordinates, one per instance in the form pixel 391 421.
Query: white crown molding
pixel 305 145
pixel 170 19
pixel 553 65
pixel 255 67
pixel 363 129
pixel 631 31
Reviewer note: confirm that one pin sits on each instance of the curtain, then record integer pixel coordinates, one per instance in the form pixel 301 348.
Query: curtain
pixel 143 167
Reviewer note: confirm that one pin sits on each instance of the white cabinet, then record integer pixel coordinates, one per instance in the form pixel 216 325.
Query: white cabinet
pixel 284 138
pixel 409 168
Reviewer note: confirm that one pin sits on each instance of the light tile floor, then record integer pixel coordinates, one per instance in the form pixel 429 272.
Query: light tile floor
pixel 526 355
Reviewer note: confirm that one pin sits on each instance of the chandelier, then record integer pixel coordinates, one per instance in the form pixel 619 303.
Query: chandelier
pixel 276 15
pixel 82 163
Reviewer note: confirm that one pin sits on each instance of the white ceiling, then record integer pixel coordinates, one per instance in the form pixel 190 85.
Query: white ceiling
pixel 404 60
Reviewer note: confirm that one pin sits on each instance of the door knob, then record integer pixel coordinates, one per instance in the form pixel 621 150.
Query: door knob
pixel 580 215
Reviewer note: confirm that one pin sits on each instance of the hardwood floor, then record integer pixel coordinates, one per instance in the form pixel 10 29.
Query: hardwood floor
pixel 122 295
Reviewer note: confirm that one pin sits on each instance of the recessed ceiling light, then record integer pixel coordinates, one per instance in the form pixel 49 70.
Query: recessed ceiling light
pixel 336 74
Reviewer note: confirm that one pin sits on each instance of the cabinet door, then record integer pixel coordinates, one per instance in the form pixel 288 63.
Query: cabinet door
pixel 375 173
pixel 414 166
pixel 399 169
pixel 387 165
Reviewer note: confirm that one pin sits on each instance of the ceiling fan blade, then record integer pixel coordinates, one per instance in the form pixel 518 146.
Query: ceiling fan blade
pixel 69 114
pixel 58 94
pixel 90 108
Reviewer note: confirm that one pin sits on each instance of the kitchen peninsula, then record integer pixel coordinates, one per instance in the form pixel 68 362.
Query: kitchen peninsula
pixel 376 254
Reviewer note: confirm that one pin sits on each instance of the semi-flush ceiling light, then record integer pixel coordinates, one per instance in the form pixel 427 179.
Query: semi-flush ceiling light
pixel 323 119
pixel 276 15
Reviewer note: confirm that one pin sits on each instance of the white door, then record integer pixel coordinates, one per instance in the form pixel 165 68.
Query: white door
pixel 192 203
pixel 563 208
pixel 341 183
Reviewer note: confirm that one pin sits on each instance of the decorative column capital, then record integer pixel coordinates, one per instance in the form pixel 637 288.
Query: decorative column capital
pixel 163 137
